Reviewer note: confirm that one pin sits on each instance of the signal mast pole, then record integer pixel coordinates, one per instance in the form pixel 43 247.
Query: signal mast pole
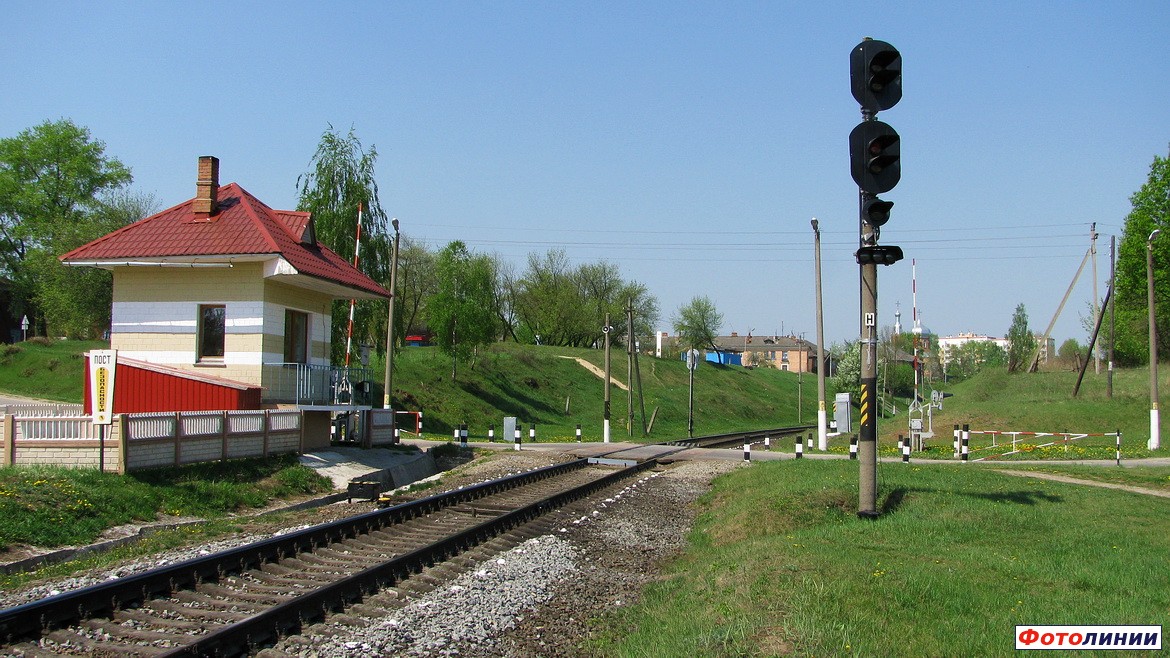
pixel 875 72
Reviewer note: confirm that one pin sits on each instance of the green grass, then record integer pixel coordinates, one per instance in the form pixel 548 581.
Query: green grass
pixel 533 383
pixel 51 507
pixel 779 564
pixel 46 369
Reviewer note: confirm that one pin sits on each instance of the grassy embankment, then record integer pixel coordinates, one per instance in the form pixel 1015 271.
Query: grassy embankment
pixel 779 564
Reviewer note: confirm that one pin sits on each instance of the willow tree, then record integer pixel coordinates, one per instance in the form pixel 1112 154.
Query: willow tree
pixel 341 180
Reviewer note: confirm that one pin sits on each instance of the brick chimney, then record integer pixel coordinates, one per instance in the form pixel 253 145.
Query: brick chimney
pixel 206 187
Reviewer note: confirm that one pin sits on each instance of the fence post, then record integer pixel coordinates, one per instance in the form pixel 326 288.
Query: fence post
pixel 223 435
pixel 177 433
pixel 123 445
pixel 9 456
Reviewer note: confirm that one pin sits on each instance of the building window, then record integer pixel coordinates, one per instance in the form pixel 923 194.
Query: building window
pixel 296 336
pixel 784 356
pixel 211 332
pixel 784 367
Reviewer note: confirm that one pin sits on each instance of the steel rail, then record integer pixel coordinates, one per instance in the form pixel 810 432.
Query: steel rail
pixel 243 637
pixel 33 619
pixel 732 439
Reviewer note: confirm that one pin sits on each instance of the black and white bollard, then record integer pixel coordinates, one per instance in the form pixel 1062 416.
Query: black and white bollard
pixel 463 435
pixel 767 443
pixel 397 439
pixel 900 439
pixel 956 440
pixel 455 433
pixel 491 433
pixel 966 440
pixel 905 451
pixel 747 451
pixel 799 447
pixel 517 445
pixel 578 432
pixel 1119 447
pixel 532 433
pixel 853 447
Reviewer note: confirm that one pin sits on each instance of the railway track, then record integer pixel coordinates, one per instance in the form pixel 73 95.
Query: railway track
pixel 240 600
pixel 737 439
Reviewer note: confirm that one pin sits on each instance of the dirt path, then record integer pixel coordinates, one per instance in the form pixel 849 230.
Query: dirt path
pixel 1104 485
pixel 597 371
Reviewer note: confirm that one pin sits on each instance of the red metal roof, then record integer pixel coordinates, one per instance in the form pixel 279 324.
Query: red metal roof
pixel 242 226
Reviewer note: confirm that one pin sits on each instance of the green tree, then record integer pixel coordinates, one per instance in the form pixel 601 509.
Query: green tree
pixel 1150 211
pixel 462 311
pixel 971 357
pixel 340 180
pixel 416 284
pixel 1021 342
pixel 53 178
pixel 848 377
pixel 697 323
pixel 77 301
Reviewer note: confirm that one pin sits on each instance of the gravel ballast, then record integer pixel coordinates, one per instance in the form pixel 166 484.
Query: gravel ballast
pixel 537 598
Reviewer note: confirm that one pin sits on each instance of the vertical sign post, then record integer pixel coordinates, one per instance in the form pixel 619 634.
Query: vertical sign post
pixel 102 368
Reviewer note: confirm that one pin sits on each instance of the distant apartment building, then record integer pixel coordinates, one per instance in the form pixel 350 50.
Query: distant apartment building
pixel 948 343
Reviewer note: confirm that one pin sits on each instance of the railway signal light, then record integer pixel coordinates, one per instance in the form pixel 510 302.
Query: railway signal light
pixel 875 72
pixel 879 255
pixel 875 156
pixel 876 212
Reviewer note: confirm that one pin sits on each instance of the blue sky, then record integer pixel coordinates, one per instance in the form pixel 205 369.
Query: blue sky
pixel 688 143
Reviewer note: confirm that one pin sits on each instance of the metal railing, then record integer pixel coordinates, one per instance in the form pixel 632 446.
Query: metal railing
pixel 307 384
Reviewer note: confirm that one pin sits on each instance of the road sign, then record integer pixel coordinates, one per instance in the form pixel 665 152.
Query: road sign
pixel 692 359
pixel 102 367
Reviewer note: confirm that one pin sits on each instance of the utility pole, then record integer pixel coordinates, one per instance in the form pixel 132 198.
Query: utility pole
pixel 388 382
pixel 875 69
pixel 822 419
pixel 1096 302
pixel 630 368
pixel 1155 440
pixel 605 421
pixel 1112 318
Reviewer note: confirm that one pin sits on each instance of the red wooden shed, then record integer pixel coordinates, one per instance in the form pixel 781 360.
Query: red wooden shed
pixel 145 387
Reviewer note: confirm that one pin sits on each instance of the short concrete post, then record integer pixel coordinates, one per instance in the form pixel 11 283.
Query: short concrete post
pixel 517 446
pixel 956 440
pixel 905 451
pixel 767 443
pixel 463 435
pixel 532 433
pixel 799 447
pixel 853 447
pixel 578 432
pixel 747 451
pixel 491 433
pixel 900 439
pixel 966 440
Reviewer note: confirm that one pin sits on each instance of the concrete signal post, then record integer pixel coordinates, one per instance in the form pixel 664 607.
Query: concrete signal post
pixel 875 73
